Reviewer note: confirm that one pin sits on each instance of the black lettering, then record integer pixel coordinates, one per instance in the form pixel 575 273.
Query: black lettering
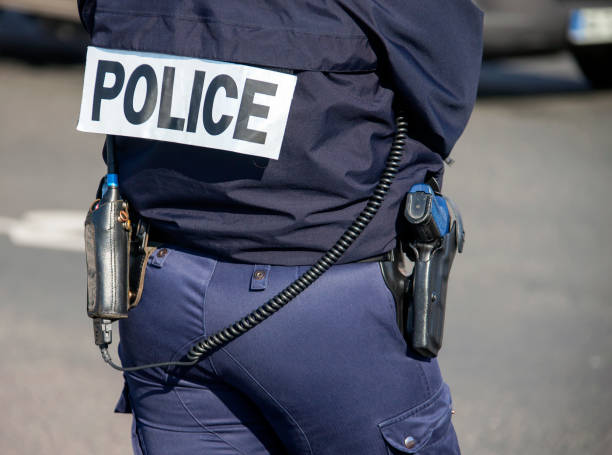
pixel 165 120
pixel 196 99
pixel 249 109
pixel 136 118
pixel 106 93
pixel 231 91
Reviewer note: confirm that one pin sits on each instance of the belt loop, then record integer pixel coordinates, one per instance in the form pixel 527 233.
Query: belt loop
pixel 260 276
pixel 158 257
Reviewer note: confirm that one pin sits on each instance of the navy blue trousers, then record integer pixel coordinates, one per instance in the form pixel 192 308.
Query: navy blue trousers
pixel 328 374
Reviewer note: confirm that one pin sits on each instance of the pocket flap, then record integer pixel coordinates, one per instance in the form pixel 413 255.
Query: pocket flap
pixel 412 430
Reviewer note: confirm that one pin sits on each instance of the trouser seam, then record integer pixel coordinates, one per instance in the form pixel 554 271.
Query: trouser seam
pixel 141 444
pixel 137 433
pixel 391 301
pixel 424 378
pixel 204 333
pixel 283 409
pixel 204 427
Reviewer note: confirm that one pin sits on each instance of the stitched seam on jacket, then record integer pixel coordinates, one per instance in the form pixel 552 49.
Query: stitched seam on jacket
pixel 285 411
pixel 206 21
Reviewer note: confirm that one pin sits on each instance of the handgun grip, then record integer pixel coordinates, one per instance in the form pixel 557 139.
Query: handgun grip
pixel 426 213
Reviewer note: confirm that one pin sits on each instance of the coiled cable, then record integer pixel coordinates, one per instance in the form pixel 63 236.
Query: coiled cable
pixel 223 337
pixel 260 314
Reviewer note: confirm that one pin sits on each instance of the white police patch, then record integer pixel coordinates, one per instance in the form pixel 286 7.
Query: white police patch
pixel 206 103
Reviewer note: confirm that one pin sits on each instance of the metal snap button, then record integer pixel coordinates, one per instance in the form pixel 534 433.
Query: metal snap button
pixel 162 252
pixel 409 442
pixel 259 275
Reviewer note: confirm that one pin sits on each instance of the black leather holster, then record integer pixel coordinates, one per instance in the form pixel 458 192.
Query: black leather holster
pixel 417 275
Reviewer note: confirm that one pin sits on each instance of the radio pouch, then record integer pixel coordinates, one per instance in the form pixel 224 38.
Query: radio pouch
pixel 116 253
pixel 107 247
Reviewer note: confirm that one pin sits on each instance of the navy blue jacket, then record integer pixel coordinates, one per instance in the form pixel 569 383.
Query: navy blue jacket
pixel 354 60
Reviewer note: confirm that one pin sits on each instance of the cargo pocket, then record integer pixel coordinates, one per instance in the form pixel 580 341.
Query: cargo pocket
pixel 424 427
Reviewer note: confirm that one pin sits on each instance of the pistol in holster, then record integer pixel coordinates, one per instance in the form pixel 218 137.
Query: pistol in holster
pixel 116 253
pixel 431 234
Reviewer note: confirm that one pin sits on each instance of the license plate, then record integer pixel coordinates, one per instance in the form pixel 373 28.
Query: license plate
pixel 590 26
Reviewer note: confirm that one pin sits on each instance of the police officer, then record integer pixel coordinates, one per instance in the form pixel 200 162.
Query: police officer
pixel 330 373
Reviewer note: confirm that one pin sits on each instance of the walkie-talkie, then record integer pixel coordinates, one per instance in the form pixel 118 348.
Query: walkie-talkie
pixel 107 248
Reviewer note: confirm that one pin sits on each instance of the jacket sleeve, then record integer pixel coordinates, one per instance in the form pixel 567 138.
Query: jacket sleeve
pixel 86 13
pixel 429 52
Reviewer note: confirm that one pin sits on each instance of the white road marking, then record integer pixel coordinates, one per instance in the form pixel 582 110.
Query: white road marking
pixel 6 224
pixel 54 229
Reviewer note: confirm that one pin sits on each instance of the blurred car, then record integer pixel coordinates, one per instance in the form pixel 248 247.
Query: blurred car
pixel 512 28
pixel 523 27
pixel 42 30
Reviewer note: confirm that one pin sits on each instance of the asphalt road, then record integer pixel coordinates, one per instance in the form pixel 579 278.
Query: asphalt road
pixel 528 345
